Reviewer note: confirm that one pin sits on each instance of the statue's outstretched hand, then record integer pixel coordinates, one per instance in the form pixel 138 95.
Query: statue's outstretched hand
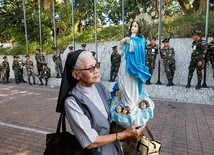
pixel 125 40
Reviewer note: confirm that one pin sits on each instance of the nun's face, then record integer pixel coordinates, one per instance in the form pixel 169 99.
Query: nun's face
pixel 89 72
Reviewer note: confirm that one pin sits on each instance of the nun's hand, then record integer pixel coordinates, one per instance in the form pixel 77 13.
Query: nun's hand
pixel 132 131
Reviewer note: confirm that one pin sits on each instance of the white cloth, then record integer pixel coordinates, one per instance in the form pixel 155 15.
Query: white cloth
pixel 129 90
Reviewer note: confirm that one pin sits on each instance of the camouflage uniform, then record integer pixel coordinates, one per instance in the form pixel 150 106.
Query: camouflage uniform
pixel 40 58
pixel 198 54
pixel 210 54
pixel 58 63
pixel 45 74
pixel 1 72
pixel 5 71
pixel 168 56
pixel 17 71
pixel 151 54
pixel 30 70
pixel 115 64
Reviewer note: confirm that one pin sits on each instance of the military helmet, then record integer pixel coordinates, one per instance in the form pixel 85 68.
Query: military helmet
pixel 83 45
pixel 166 40
pixel 152 38
pixel 70 47
pixel 114 47
pixel 196 32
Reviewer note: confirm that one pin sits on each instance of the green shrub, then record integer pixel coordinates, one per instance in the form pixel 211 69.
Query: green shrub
pixel 18 49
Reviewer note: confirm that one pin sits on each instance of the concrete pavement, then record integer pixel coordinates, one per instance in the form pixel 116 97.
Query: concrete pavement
pixel 27 114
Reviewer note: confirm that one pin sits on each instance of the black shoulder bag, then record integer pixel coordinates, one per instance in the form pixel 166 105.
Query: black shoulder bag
pixel 64 143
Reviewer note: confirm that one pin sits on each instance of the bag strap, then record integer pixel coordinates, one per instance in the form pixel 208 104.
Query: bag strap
pixel 149 133
pixel 59 123
pixel 62 121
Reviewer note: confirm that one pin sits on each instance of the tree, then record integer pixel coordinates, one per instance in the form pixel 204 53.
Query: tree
pixel 194 7
pixel 12 22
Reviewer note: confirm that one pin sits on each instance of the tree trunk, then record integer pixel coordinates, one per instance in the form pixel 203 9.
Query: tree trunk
pixel 156 7
pixel 202 6
pixel 185 6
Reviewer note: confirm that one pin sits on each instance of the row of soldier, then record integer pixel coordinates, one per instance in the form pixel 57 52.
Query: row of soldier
pixel 44 71
pixel 167 55
pixel 18 65
pixel 200 51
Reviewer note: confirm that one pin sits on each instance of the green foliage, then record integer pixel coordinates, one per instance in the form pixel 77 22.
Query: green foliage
pixel 4 51
pixel 18 49
pixel 179 27
pixel 182 26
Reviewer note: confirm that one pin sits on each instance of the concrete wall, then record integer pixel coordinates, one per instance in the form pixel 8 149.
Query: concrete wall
pixel 182 48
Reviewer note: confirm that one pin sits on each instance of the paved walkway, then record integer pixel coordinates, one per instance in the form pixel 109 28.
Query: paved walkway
pixel 27 114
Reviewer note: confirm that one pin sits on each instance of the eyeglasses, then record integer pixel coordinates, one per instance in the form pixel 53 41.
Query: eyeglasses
pixel 92 68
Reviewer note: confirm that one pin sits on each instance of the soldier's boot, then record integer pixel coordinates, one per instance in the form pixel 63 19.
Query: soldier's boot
pixel 188 83
pixel 34 81
pixel 198 85
pixel 41 83
pixel 29 81
pixel 22 80
pixel 8 80
pixel 17 81
pixel 46 82
pixel 169 82
pixel 57 76
pixel 110 78
pixel 148 81
pixel 172 82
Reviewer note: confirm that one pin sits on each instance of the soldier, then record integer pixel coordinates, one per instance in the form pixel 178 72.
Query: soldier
pixel 210 54
pixel 94 54
pixel 58 62
pixel 71 49
pixel 40 58
pixel 197 58
pixel 30 69
pixel 115 63
pixel 168 56
pixel 21 63
pixel 45 74
pixel 1 72
pixel 17 69
pixel 5 70
pixel 151 54
pixel 83 47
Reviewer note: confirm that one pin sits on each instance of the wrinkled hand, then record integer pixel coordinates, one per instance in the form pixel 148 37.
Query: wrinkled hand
pixel 132 131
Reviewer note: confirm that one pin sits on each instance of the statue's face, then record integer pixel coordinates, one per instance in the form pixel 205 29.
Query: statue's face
pixel 118 109
pixel 134 28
